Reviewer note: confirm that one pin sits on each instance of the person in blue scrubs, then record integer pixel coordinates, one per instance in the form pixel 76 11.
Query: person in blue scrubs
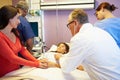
pixel 24 27
pixel 107 21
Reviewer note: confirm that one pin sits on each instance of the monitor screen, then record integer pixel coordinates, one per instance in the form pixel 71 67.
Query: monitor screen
pixel 34 26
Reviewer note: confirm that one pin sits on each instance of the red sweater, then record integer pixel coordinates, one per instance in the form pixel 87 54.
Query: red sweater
pixel 9 59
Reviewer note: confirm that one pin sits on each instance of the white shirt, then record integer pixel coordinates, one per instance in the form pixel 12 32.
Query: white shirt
pixel 97 51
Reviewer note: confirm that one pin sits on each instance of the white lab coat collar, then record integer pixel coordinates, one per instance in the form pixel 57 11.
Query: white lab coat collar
pixel 84 26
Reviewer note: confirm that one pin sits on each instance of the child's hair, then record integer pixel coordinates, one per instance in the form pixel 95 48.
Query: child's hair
pixel 66 46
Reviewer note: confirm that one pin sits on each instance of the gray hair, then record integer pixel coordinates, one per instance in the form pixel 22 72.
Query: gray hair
pixel 80 15
pixel 22 5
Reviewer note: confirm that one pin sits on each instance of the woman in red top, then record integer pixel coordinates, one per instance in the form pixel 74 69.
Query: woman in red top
pixel 10 44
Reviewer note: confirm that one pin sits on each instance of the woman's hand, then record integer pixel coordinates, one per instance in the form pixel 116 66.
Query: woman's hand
pixel 43 63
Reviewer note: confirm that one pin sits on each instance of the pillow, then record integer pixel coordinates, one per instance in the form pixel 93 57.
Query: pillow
pixel 53 48
pixel 68 44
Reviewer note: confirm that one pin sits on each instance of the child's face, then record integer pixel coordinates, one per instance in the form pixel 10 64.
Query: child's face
pixel 61 48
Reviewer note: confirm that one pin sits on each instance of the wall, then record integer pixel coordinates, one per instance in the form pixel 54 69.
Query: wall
pixel 14 2
pixel 55 23
pixel 55 27
pixel 5 2
pixel 8 2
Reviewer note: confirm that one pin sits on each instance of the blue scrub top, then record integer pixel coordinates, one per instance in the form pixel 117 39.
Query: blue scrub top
pixel 112 26
pixel 25 29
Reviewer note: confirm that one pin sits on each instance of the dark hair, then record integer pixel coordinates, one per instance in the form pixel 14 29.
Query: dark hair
pixel 80 15
pixel 66 46
pixel 107 6
pixel 7 12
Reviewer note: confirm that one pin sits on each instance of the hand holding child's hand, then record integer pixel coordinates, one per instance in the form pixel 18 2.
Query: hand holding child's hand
pixel 43 63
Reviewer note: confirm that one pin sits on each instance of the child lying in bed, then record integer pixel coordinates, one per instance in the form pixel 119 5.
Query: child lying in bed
pixel 53 56
pixel 61 49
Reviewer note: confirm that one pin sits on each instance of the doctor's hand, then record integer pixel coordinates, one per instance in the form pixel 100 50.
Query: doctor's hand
pixel 80 67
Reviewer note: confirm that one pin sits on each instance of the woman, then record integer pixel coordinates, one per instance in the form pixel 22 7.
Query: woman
pixel 108 21
pixel 10 43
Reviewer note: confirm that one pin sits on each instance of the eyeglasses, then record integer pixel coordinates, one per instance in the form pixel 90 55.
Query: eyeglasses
pixel 25 10
pixel 69 23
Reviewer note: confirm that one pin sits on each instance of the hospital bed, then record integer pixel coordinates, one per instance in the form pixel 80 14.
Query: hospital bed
pixel 33 73
pixel 47 74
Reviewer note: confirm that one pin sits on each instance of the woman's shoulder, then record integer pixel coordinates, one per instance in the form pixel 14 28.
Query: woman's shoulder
pixel 2 36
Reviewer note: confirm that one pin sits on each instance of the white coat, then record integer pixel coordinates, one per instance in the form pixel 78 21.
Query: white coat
pixel 96 50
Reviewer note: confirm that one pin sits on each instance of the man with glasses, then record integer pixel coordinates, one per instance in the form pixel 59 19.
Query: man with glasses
pixel 24 27
pixel 91 47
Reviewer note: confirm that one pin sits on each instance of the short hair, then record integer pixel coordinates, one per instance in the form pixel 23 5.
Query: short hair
pixel 107 6
pixel 80 15
pixel 22 5
pixel 66 46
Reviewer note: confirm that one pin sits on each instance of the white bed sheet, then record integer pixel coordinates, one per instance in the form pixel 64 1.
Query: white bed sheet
pixel 50 74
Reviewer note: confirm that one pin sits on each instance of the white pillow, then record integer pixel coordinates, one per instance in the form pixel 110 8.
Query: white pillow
pixel 53 48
